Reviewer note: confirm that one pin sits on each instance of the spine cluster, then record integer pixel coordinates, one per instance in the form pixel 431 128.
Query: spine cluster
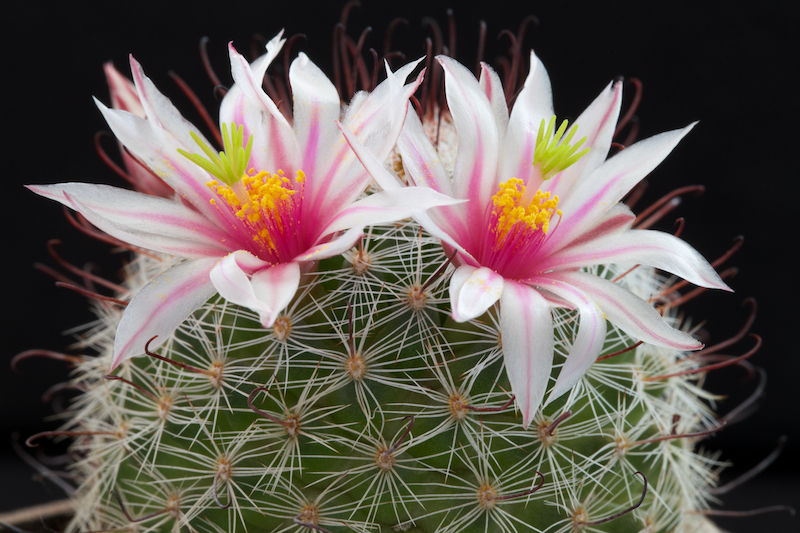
pixel 367 408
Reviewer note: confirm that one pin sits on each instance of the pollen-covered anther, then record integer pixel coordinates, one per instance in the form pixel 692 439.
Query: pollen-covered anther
pixel 515 215
pixel 215 372
pixel 292 426
pixel 417 297
pixel 487 496
pixel 309 514
pixel 385 459
pixel 458 406
pixel 282 328
pixel 355 367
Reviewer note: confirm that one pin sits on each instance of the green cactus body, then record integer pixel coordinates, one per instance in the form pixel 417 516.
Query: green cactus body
pixel 367 408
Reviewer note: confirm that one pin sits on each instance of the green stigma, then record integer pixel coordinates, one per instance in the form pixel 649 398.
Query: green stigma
pixel 552 154
pixel 231 164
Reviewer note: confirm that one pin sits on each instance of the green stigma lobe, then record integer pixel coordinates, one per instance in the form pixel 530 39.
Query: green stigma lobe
pixel 554 154
pixel 229 165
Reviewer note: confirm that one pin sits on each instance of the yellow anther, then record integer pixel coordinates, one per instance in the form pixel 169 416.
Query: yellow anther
pixel 261 199
pixel 509 214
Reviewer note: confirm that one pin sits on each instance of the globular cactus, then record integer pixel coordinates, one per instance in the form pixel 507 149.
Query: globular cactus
pixel 363 399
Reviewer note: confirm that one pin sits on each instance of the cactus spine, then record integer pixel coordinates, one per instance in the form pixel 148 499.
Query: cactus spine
pixel 367 408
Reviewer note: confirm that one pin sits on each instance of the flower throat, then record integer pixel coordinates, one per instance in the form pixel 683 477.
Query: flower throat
pixel 516 214
pixel 264 202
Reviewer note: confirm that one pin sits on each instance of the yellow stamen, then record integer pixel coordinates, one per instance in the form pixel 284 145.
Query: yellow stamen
pixel 509 213
pixel 257 196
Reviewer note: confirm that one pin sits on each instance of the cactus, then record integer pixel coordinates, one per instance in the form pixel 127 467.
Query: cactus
pixel 367 408
pixel 364 405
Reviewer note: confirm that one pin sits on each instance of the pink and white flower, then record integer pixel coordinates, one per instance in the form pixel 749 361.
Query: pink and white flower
pixel 539 211
pixel 282 195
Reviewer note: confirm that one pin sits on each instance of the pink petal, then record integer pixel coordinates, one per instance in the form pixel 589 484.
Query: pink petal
pixel 534 103
pixel 147 221
pixel 158 150
pixel 627 311
pixel 526 324
pixel 161 306
pixel 617 219
pixel 475 174
pixel 473 291
pixel 597 123
pixel 123 92
pixel 382 176
pixel 589 340
pixel 420 160
pixel 646 247
pixel 246 104
pixel 159 110
pixel 316 110
pixel 332 247
pixel 124 97
pixel 387 206
pixel 607 185
pixel 383 110
pixel 269 291
pixel 376 118
pixel 446 224
pixel 493 89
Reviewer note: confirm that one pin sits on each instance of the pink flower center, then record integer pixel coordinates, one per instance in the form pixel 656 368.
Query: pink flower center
pixel 268 207
pixel 517 224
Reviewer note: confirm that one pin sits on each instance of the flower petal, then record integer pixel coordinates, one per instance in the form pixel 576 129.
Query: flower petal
pixel 246 104
pixel 534 103
pixel 387 206
pixel 526 324
pixel 597 123
pixel 123 92
pixel 589 340
pixel 493 89
pixel 158 150
pixel 607 185
pixel 383 110
pixel 447 223
pixel 159 110
pixel 275 287
pixel 161 306
pixel 628 312
pixel 333 247
pixel 375 118
pixel 473 291
pixel 421 161
pixel 646 247
pixel 268 292
pixel 316 110
pixel 147 221
pixel 475 174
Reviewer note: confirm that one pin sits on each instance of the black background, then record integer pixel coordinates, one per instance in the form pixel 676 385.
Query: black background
pixel 733 69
